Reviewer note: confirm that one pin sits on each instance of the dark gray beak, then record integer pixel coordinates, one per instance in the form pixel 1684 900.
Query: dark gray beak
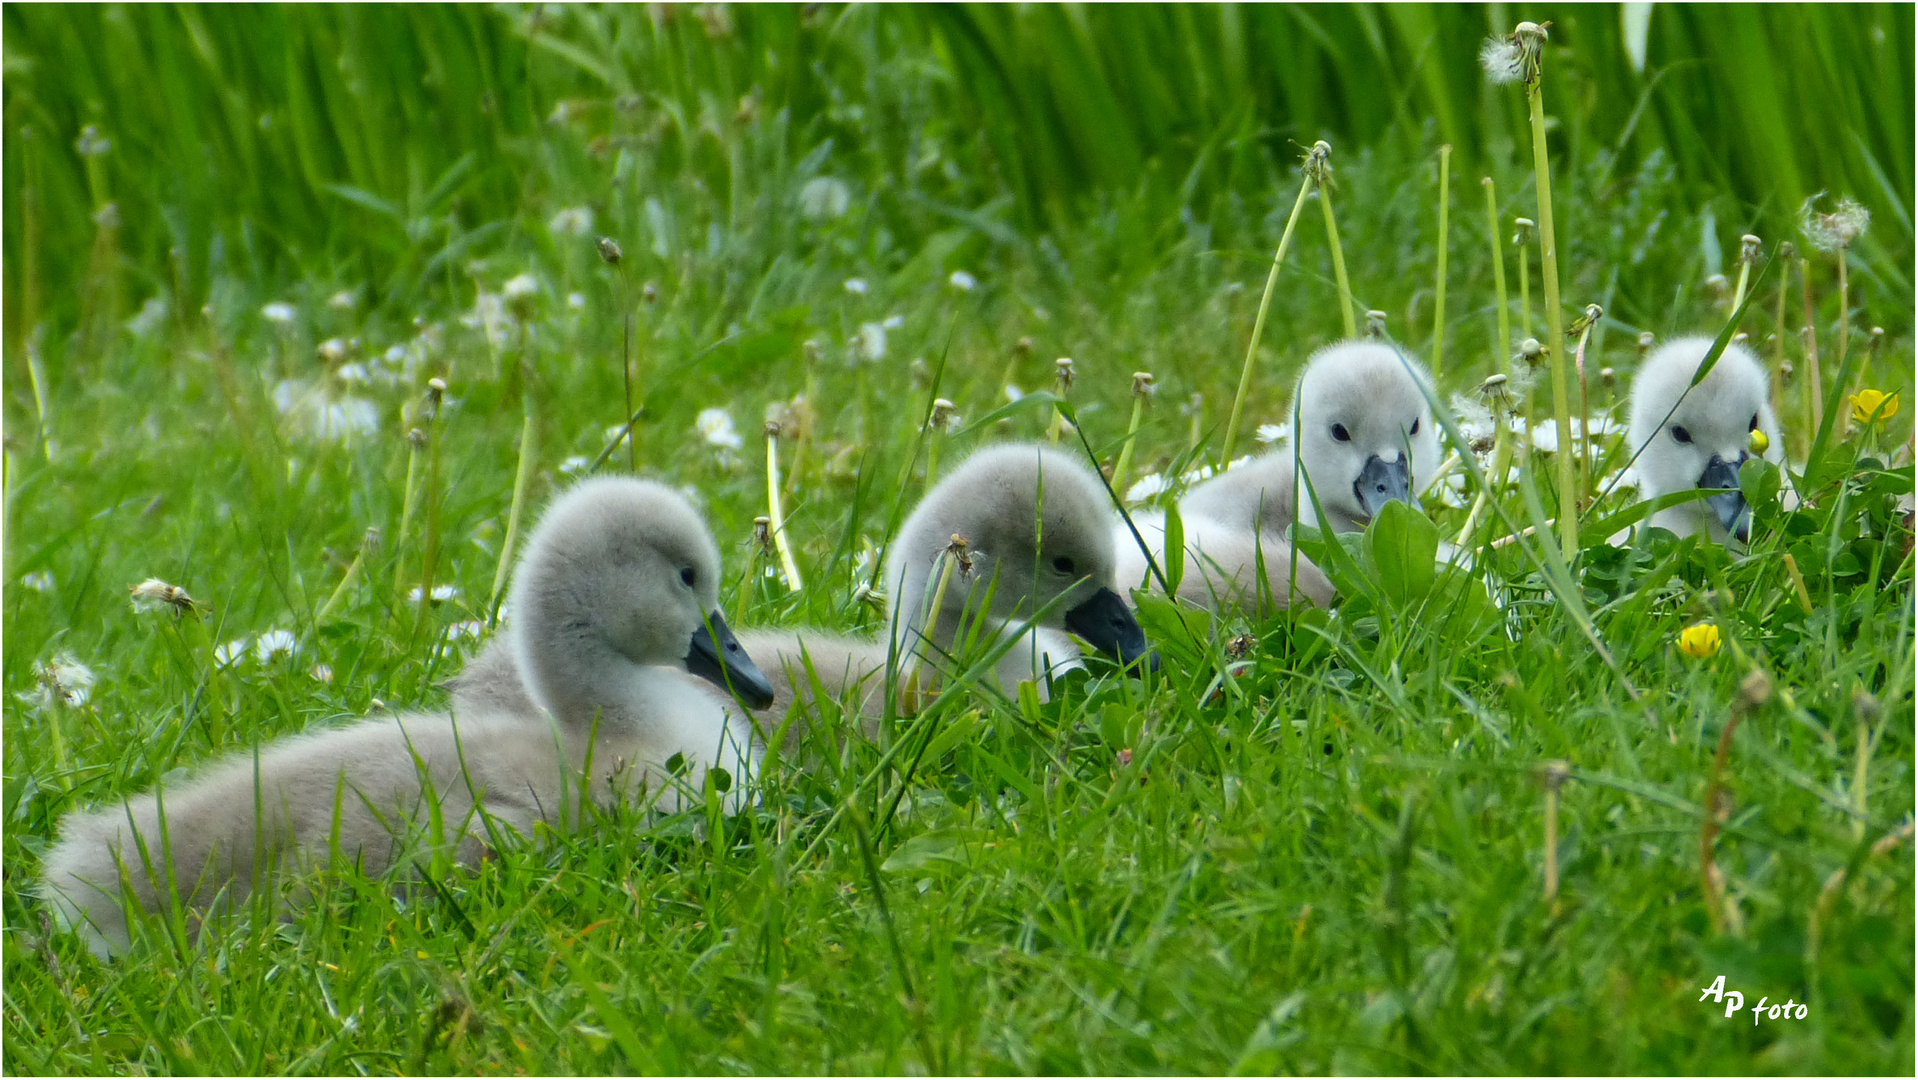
pixel 1107 625
pixel 715 656
pixel 1380 482
pixel 1730 506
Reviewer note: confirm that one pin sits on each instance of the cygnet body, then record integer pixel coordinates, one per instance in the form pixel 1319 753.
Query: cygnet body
pixel 1701 440
pixel 616 603
pixel 1365 434
pixel 1037 529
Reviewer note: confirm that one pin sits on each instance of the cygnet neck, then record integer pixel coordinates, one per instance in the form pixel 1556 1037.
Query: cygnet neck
pixel 578 678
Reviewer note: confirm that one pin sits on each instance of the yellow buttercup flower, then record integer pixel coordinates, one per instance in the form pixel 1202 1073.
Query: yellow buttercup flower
pixel 1700 642
pixel 1869 405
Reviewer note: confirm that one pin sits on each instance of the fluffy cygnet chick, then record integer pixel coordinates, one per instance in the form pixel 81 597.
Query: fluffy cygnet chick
pixel 1037 527
pixel 617 601
pixel 1703 440
pixel 1365 434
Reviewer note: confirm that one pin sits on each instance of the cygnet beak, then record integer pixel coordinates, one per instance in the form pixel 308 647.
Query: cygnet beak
pixel 1730 506
pixel 1107 625
pixel 715 656
pixel 1381 481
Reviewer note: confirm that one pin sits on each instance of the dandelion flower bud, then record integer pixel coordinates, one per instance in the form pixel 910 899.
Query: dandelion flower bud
pixel 1531 352
pixel 1555 773
pixel 1375 323
pixel 1866 706
pixel 1748 248
pixel 762 532
pixel 1608 376
pixel 417 438
pixel 609 251
pixel 1142 385
pixel 945 415
pixel 1065 372
pixel 1022 346
pixel 811 351
pixel 1754 691
pixel 1524 230
pixel 1495 387
pixel 649 294
pixel 1645 341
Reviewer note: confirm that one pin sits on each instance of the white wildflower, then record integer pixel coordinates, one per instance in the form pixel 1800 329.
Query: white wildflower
pixel 856 286
pixel 572 221
pixel 576 301
pixel 91 143
pixel 152 315
pixel 1502 60
pixel 354 374
pixel 871 342
pixel 1013 393
pixel 274 645
pixel 344 300
pixel 278 311
pixel 519 287
pixel 1271 433
pixel 963 281
pixel 1145 488
pixel 321 673
pixel 39 581
pixel 470 629
pixel 332 350
pixel 441 593
pixel 893 322
pixel 311 414
pixel 824 197
pixel 716 427
pixel 229 653
pixel 64 680
pixel 1474 419
pixel 575 464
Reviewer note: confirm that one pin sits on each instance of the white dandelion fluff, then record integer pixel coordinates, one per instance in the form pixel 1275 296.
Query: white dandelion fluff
pixel 870 345
pixel 1836 230
pixel 572 221
pixel 65 680
pixel 1502 60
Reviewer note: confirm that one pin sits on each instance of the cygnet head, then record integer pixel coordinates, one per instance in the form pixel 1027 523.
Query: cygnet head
pixel 622 570
pixel 1365 430
pixel 1702 442
pixel 1037 525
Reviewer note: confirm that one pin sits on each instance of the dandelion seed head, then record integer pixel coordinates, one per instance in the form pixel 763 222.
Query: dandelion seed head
pixel 572 221
pixel 1836 230
pixel 870 344
pixel 64 680
pixel 154 594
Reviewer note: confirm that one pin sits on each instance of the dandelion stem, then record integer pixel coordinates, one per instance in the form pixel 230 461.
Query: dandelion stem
pixel 1778 336
pixel 36 373
pixel 1258 322
pixel 1525 292
pixel 352 575
pixel 1502 351
pixel 1141 391
pixel 1346 310
pixel 415 444
pixel 1814 382
pixel 777 526
pixel 1554 322
pixel 522 479
pixel 1444 243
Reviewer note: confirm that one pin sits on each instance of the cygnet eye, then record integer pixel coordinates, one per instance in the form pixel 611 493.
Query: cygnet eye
pixel 688 576
pixel 1681 434
pixel 1342 435
pixel 1062 564
pixel 1415 427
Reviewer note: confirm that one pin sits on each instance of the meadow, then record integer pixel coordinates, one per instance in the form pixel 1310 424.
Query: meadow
pixel 239 244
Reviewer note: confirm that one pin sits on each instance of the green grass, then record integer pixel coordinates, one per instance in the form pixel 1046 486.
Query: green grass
pixel 1324 854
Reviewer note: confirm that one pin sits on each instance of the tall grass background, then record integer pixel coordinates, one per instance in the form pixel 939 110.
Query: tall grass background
pixel 1315 846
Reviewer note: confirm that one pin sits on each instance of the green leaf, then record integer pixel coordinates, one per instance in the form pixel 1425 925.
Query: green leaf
pixel 1401 545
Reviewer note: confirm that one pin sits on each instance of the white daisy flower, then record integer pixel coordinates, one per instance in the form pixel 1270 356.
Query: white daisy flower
pixel 440 593
pixel 229 653
pixel 856 286
pixel 1271 433
pixel 576 301
pixel 344 300
pixel 716 427
pixel 963 281
pixel 575 464
pixel 322 673
pixel 333 350
pixel 274 645
pixel 1145 487
pixel 278 311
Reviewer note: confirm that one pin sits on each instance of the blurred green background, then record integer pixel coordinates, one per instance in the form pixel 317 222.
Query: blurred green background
pixel 386 144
